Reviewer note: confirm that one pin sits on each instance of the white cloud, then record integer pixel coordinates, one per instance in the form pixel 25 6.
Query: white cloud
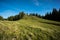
pixel 36 2
pixel 8 13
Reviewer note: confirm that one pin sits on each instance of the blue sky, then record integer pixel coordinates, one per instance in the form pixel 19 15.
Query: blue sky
pixel 13 7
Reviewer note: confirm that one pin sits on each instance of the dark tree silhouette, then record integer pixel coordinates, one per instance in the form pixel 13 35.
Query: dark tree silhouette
pixel 11 18
pixel 1 18
pixel 16 17
pixel 55 15
pixel 21 14
pixel 37 15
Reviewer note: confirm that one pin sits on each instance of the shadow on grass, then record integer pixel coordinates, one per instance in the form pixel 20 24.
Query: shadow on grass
pixel 51 23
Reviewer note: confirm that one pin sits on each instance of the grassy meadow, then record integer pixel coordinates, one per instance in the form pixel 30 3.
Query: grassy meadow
pixel 30 28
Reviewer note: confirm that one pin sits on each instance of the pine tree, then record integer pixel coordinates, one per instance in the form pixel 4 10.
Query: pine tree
pixel 21 14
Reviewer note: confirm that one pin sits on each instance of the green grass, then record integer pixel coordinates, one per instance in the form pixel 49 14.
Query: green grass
pixel 30 28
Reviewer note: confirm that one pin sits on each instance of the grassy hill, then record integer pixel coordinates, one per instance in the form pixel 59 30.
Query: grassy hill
pixel 30 28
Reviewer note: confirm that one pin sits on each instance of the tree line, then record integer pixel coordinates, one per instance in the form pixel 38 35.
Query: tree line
pixel 14 18
pixel 54 15
pixel 35 14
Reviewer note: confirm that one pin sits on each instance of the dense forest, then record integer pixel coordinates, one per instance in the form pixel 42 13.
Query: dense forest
pixel 54 15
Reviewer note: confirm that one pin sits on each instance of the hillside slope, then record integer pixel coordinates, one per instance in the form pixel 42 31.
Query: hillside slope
pixel 30 28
